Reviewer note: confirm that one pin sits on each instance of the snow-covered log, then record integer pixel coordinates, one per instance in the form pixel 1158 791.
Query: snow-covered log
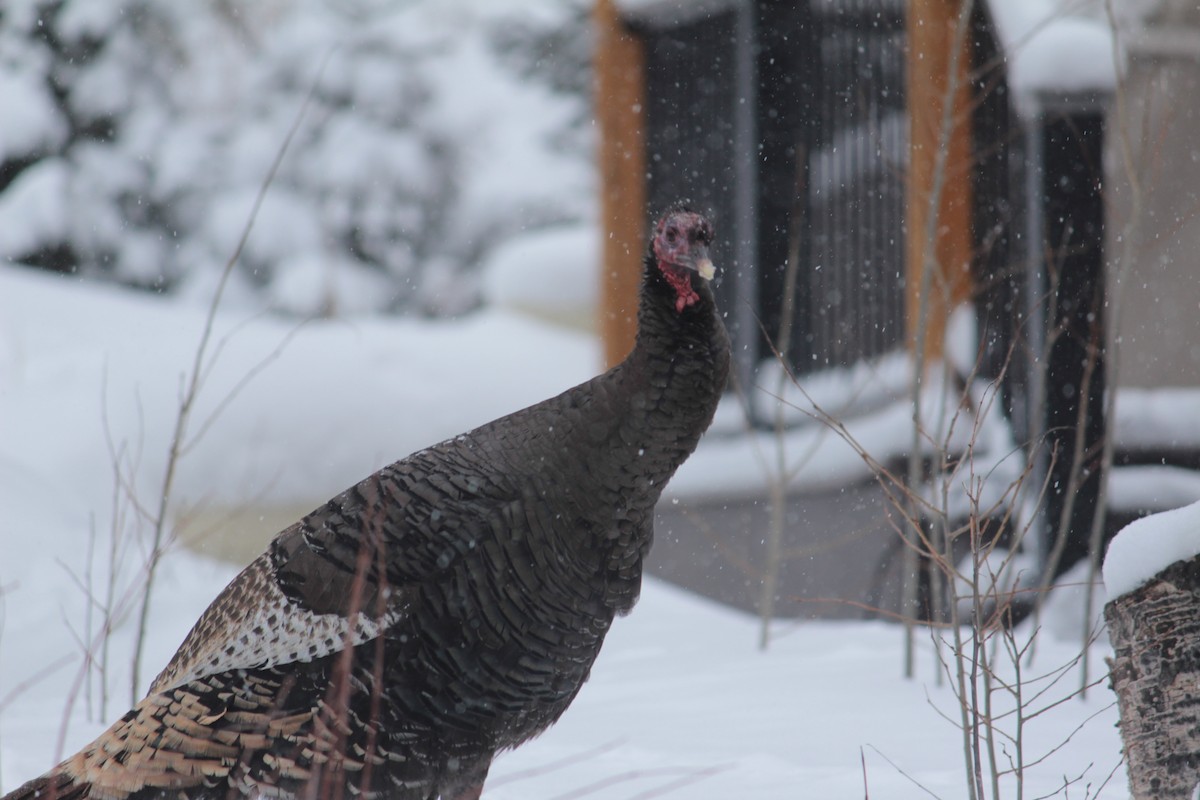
pixel 1154 624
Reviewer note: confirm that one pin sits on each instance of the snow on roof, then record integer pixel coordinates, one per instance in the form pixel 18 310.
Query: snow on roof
pixel 671 11
pixel 1054 46
pixel 1162 418
pixel 1149 545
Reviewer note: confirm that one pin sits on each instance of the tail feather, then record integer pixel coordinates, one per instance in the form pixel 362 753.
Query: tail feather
pixel 51 786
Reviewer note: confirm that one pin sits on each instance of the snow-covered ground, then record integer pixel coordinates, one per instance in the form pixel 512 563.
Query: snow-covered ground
pixel 680 704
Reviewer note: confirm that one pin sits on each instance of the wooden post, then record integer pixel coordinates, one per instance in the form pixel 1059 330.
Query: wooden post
pixel 1155 672
pixel 931 35
pixel 620 103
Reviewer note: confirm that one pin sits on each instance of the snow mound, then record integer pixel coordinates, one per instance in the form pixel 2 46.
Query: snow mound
pixel 1055 46
pixel 550 274
pixel 1149 545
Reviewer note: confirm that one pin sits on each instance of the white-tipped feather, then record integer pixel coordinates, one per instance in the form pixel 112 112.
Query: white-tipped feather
pixel 262 627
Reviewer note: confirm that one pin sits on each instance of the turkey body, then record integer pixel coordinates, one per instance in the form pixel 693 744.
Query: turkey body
pixel 446 608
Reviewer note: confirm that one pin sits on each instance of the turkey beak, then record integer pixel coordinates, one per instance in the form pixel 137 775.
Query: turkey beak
pixel 703 264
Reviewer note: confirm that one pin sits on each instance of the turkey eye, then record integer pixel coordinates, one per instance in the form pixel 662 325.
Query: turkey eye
pixel 672 236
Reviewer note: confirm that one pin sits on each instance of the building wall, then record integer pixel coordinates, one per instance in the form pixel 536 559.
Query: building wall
pixel 1153 244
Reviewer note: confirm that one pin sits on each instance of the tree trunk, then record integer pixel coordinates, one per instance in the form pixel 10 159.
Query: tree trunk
pixel 1155 632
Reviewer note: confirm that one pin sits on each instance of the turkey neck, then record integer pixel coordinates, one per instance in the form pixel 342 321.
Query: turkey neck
pixel 672 379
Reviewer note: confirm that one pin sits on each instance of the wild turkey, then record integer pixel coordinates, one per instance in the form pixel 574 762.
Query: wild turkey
pixel 446 608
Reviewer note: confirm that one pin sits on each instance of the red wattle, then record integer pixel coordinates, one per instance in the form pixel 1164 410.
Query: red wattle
pixel 685 295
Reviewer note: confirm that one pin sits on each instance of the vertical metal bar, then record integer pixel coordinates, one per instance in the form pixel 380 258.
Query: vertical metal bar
pixel 861 283
pixel 1036 318
pixel 834 199
pixel 745 167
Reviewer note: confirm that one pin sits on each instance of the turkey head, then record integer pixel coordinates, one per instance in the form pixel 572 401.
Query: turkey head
pixel 681 241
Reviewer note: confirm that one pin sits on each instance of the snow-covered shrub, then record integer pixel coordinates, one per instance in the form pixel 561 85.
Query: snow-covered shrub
pixel 135 134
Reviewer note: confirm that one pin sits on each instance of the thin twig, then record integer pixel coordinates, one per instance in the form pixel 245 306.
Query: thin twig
pixel 910 778
pixel 192 389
